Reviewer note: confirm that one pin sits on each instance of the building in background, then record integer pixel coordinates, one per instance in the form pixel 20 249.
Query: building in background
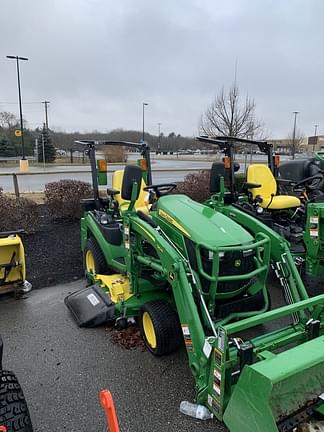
pixel 284 145
pixel 315 143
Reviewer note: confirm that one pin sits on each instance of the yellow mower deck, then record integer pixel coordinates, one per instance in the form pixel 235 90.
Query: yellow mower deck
pixel 12 263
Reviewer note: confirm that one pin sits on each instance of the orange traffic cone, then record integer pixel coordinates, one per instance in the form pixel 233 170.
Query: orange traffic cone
pixel 107 404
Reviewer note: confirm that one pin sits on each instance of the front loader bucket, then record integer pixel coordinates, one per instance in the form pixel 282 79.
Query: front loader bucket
pixel 274 394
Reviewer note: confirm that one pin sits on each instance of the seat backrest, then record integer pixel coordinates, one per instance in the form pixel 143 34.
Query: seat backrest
pixel 261 174
pixel 142 200
pixel 132 174
pixel 294 170
pixel 217 171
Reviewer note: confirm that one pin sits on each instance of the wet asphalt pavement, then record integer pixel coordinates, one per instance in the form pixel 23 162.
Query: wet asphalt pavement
pixel 62 368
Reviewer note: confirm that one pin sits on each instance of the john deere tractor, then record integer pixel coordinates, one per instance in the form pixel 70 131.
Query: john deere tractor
pixel 189 272
pixel 297 216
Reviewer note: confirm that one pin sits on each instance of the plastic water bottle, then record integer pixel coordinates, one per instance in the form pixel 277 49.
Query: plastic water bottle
pixel 197 411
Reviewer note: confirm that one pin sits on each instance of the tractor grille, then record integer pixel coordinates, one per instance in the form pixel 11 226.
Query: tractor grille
pixel 230 263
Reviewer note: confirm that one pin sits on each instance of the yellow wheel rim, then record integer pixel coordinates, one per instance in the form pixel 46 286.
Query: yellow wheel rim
pixel 90 262
pixel 149 331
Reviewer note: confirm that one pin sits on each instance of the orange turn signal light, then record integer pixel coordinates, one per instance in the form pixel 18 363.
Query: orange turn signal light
pixel 142 163
pixel 276 160
pixel 102 165
pixel 227 162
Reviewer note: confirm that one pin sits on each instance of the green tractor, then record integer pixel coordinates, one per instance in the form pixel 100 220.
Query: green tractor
pixel 286 197
pixel 189 272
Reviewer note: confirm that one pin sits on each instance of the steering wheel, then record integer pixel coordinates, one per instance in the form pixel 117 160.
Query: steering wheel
pixel 161 189
pixel 306 182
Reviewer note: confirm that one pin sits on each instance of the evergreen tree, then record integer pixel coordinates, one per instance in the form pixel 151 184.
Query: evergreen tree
pixel 7 149
pixel 49 149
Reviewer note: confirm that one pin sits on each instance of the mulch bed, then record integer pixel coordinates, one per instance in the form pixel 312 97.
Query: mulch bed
pixel 53 252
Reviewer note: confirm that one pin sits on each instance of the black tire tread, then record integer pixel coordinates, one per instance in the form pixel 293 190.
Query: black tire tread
pixel 101 266
pixel 166 326
pixel 14 412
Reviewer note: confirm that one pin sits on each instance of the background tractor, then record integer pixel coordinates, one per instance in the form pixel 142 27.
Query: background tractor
pixel 197 273
pixel 297 217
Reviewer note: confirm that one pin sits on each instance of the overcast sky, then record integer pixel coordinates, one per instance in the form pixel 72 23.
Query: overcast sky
pixel 98 60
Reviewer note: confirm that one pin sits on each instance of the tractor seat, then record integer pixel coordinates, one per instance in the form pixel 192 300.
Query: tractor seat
pixel 142 203
pixel 261 174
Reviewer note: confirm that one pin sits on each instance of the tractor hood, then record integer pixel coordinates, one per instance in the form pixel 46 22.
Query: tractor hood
pixel 199 223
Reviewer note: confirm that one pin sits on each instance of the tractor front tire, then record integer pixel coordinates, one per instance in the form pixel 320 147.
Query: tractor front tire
pixel 14 414
pixel 93 258
pixel 160 327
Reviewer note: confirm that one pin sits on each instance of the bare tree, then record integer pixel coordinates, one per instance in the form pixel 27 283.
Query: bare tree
pixel 7 120
pixel 229 115
pixel 295 143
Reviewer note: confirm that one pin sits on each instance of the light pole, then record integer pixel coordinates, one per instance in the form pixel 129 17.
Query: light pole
pixel 315 137
pixel 144 105
pixel 159 142
pixel 294 134
pixel 23 162
pixel 46 115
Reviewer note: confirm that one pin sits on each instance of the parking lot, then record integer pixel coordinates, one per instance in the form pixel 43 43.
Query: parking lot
pixel 62 368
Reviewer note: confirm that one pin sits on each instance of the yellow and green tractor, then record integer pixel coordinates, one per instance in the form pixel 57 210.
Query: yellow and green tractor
pixel 198 274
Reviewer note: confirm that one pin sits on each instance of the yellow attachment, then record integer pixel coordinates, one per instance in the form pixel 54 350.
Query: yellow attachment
pixel 142 203
pixel 148 329
pixel 90 262
pixel 117 285
pixel 261 174
pixel 12 255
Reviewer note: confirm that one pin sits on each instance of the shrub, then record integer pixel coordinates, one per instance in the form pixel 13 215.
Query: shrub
pixel 63 198
pixel 114 153
pixel 196 186
pixel 21 213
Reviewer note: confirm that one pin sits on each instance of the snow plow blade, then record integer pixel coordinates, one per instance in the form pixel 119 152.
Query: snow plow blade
pixel 279 392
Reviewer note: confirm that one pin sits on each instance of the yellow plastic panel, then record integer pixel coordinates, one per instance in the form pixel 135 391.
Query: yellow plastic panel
pixel 117 285
pixel 12 251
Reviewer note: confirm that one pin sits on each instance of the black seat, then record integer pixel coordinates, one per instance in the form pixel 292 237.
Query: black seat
pixel 217 171
pixel 295 170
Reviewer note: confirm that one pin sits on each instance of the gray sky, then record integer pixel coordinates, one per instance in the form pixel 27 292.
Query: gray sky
pixel 98 60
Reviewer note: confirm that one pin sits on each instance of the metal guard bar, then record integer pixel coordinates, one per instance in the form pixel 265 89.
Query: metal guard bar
pixel 274 314
pixel 215 266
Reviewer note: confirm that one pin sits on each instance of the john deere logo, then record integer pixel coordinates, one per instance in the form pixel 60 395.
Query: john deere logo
pixel 237 263
pixel 171 276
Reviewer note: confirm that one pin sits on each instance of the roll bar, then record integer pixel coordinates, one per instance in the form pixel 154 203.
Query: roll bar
pixel 143 147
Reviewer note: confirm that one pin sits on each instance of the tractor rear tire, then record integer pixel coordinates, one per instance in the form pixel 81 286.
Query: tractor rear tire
pixel 160 327
pixel 14 414
pixel 93 253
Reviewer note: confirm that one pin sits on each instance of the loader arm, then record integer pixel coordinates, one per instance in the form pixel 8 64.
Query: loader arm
pixel 173 266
